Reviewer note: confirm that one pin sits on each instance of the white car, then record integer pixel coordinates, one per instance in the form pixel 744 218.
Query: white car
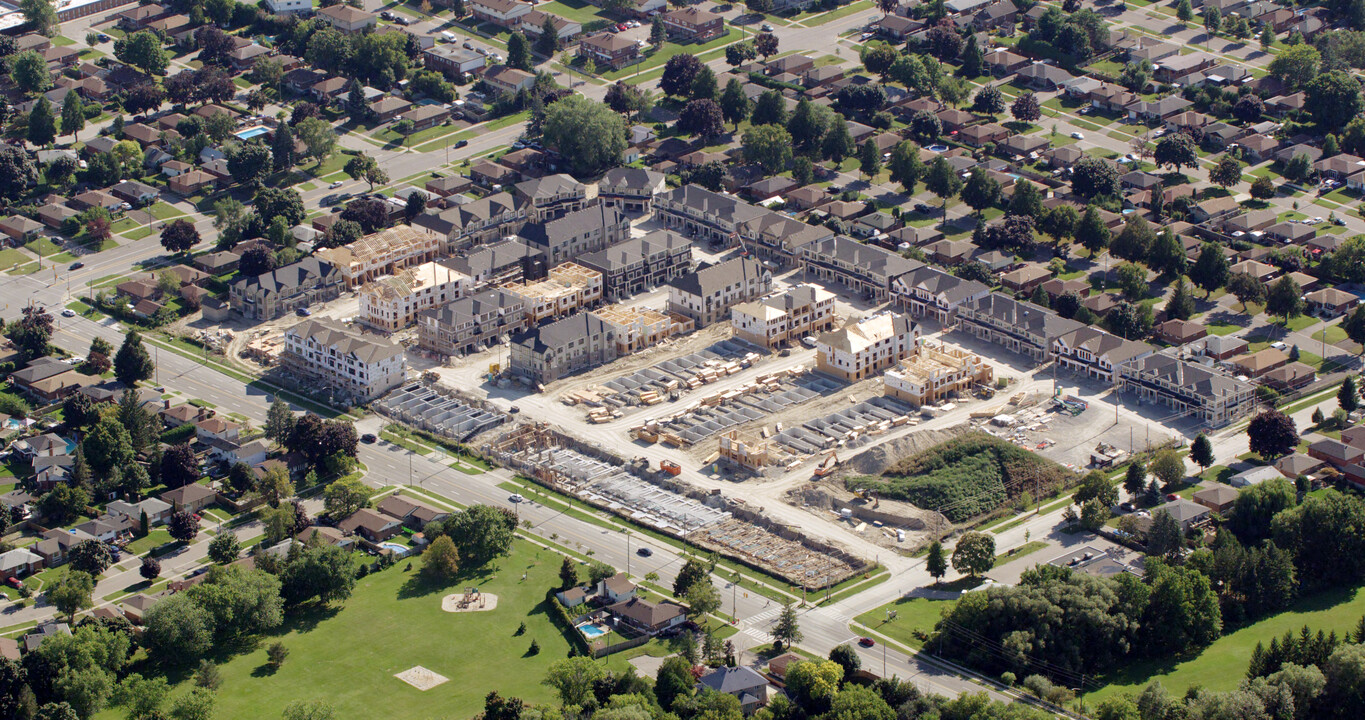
pixel 1278 345
pixel 516 498
pixel 68 313
pixel 1077 136
pixel 335 184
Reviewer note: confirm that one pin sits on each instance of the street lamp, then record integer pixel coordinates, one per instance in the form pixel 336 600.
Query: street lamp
pixel 890 615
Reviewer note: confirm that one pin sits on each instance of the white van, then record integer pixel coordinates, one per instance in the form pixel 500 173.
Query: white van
pixel 447 36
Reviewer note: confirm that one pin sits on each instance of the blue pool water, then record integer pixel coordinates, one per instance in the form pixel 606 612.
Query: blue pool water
pixel 249 133
pixel 591 631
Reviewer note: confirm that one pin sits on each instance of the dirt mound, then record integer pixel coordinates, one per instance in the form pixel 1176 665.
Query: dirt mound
pixel 876 459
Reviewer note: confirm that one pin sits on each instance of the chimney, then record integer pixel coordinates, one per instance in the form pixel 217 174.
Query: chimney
pixel 166 404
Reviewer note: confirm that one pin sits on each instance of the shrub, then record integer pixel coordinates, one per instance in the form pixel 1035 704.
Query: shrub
pixel 276 654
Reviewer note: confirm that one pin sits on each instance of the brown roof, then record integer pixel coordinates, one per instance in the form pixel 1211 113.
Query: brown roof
pixel 647 613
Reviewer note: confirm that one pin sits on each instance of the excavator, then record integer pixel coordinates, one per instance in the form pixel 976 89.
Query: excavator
pixel 827 465
pixel 869 495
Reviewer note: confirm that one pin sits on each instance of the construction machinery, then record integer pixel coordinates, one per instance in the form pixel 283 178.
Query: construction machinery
pixel 866 494
pixel 827 465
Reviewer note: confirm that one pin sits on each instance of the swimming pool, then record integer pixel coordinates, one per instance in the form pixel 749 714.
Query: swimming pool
pixel 252 132
pixel 592 631
pixel 399 550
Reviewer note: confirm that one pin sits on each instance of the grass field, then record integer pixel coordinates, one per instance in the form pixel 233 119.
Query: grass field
pixel 348 657
pixel 1223 664
pixel 912 614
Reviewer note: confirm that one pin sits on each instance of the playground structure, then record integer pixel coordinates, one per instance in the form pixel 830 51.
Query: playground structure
pixel 471 600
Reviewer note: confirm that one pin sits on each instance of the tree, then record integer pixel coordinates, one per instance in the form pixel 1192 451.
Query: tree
pixel 1130 320
pixel 71 592
pixel 770 146
pixel 364 167
pixel 702 599
pixel 905 166
pixel 925 126
pixel 1176 150
pixel 658 32
pixel 980 191
pixel 108 446
pixel 179 236
pixel 91 556
pixel 324 572
pixel 317 136
pixel 346 496
pixel 1246 288
pixel 1272 434
pixel 178 631
pixel 1167 467
pixel 877 57
pixel 275 486
pixel 41 15
pixel 1285 298
pixel 224 548
pixel 179 466
pixel 942 180
pixel 766 44
pixel 1227 172
pixel 73 115
pixel 183 526
pixel 42 126
pixel 989 100
pixel 1213 20
pixel 1096 486
pixel 1183 11
pixel 936 563
pixel 814 684
pixel 693 571
pixel 17 171
pixel 197 704
pixel 1201 451
pixel 702 118
pixel 1181 304
pixel 1135 479
pixel 869 159
pixel 847 658
pixel 548 41
pixel 1025 108
pixel 481 533
pixel 704 84
pixel 28 70
pixel 1295 66
pixel 735 105
pixel 587 132
pixel 63 503
pixel 441 561
pixel 1164 537
pixel 573 678
pixel 807 126
pixel 1354 325
pixel 1210 271
pixel 1249 108
pixel 679 73
pixel 974 553
pixel 313 709
pixel 1092 177
pixel 1299 169
pixel 838 141
pixel 1091 232
pixel 786 631
pixel 132 364
pixel 518 52
pixel 150 568
pixel 568 573
pixel 1333 99
pixel 32 332
pixel 143 50
pixel 1348 396
pixel 79 411
pixel 1182 610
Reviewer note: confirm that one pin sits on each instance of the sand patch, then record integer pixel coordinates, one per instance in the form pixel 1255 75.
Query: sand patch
pixel 421 678
pixel 459 602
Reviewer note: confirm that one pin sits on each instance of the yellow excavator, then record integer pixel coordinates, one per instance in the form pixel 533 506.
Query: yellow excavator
pixel 869 495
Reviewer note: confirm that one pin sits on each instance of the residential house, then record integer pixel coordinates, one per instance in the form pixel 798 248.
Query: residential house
pixel 932 373
pixel 412 513
pixel 371 525
pixel 1188 514
pixel 20 229
pixel 1188 388
pixel 744 683
pixel 930 292
pixel 1219 499
pixel 866 347
pixel 647 617
pixel 692 24
pixel 192 498
pixel 1096 353
pixel 1179 332
pixel 468 324
pixel 533 24
pixel 561 348
pixel 1043 76
pixel 452 59
pixel 1259 363
pixel 347 19
pixel 782 318
pixel 630 189
pixel 508 80
pixel 1331 302
pixel 707 294
pixel 609 50
pixel 340 357
pixel 1290 377
pixel 506 14
pixel 1336 453
pixel 639 264
pixel 1021 327
pixel 282 290
pixel 1024 279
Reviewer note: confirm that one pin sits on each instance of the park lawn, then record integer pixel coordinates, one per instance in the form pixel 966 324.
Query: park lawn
pixel 348 656
pixel 575 10
pixel 1222 665
pixel 9 257
pixel 912 614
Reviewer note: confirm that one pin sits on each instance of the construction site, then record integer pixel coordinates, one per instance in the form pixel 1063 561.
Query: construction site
pixel 439 410
pixel 665 380
pixel 655 499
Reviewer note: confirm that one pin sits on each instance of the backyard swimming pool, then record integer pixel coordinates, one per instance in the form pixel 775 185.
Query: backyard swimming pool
pixel 592 631
pixel 399 550
pixel 252 132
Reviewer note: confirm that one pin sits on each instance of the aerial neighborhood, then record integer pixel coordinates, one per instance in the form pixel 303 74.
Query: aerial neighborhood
pixel 785 359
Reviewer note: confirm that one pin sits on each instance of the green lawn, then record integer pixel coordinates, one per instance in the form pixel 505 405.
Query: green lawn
pixel 156 537
pixel 1222 328
pixel 9 257
pixel 43 247
pixel 575 10
pixel 139 233
pixel 660 57
pixel 349 656
pixel 1331 334
pixel 163 211
pixel 912 614
pixel 1025 549
pixel 1222 665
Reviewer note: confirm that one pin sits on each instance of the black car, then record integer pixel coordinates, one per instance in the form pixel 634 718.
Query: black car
pixel 922 208
pixel 462 143
pixel 400 20
pixel 77 265
pixel 303 312
pixel 368 438
pixel 644 552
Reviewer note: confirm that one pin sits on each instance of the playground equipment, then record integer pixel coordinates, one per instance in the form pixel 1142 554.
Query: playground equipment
pixel 471 596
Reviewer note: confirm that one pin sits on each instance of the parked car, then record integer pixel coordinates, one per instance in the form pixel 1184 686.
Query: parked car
pixel 1077 136
pixel 335 184
pixel 767 27
pixel 303 312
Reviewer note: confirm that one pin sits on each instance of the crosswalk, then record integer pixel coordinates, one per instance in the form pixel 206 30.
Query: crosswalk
pixel 756 625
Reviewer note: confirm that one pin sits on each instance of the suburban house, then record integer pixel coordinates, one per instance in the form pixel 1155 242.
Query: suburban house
pixel 506 14
pixel 860 349
pixel 347 19
pixel 785 317
pixel 193 497
pixel 1020 327
pixel 692 24
pixel 410 512
pixel 707 294
pixel 1096 353
pixel 370 525
pixel 1188 388
pixel 608 49
pixel 744 683
pixel 342 358
pixel 647 617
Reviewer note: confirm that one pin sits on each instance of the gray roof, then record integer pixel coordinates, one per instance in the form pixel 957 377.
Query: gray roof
pixel 591 221
pixel 1100 344
pixel 710 279
pixel 1192 377
pixel 713 204
pixel 1182 510
pixel 1036 320
pixel 632 251
pixel 549 185
pixel 636 178
pixel 869 258
pixel 491 257
pixel 467 309
pixel 285 279
pixel 938 282
pixel 561 333
pixel 733 680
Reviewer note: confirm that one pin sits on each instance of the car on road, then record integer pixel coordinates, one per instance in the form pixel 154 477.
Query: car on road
pixel 303 312
pixel 103 37
pixel 808 341
pixel 1077 136
pixel 644 552
pixel 336 184
pixel 199 572
pixel 923 209
pixel 767 27
pixel 76 265
pixel 516 498
pixel 462 143
pixel 400 20
pixel 68 313
pixel 386 15
pixel 368 438
pixel 1278 345
pixel 866 641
